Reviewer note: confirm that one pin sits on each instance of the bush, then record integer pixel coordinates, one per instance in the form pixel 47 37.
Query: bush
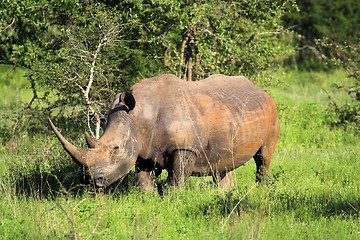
pixel 82 52
pixel 347 115
pixel 318 19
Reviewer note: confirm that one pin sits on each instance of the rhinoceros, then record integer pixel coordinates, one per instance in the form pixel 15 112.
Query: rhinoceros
pixel 207 127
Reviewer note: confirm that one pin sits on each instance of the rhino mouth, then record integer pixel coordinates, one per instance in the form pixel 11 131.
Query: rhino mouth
pixel 103 182
pixel 104 179
pixel 98 178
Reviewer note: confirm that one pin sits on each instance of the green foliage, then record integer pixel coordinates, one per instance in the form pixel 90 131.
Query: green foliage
pixel 13 86
pixel 348 57
pixel 29 29
pixel 315 20
pixel 347 115
pixel 327 18
pixel 214 37
pixel 80 53
pixel 327 40
pixel 87 70
pixel 303 106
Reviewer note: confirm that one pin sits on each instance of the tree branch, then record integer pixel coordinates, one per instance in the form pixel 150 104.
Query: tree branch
pixel 182 53
pixel 8 26
pixel 166 64
pixel 88 102
pixel 276 32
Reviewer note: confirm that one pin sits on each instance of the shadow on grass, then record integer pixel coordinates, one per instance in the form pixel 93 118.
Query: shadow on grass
pixel 69 181
pixel 302 207
pixel 320 204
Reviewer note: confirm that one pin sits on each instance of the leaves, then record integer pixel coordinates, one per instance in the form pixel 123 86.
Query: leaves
pixel 80 53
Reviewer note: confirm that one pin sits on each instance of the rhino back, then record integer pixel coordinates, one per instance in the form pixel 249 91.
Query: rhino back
pixel 225 120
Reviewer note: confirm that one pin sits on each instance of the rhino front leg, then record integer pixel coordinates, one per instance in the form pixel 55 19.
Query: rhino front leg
pixel 145 181
pixel 180 167
pixel 224 180
pixel 145 175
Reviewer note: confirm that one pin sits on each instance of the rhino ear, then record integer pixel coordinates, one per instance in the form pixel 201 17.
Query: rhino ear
pixel 127 98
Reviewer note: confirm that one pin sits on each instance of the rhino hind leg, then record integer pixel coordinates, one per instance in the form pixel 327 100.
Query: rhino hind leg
pixel 262 166
pixel 262 159
pixel 264 154
pixel 180 166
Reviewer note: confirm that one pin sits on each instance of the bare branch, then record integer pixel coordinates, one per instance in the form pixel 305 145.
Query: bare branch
pixel 317 53
pixel 276 32
pixel 92 112
pixel 88 102
pixel 182 53
pixel 189 70
pixel 166 64
pixel 73 79
pixel 8 26
pixel 331 99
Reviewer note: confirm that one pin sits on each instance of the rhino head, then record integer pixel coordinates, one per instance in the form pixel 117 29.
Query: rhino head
pixel 110 157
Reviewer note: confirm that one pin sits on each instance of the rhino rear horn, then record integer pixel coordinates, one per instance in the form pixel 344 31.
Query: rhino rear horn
pixel 91 142
pixel 77 154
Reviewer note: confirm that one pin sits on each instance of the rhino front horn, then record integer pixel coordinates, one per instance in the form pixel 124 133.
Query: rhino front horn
pixel 77 154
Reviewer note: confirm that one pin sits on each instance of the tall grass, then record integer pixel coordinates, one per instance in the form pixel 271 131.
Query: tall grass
pixel 314 192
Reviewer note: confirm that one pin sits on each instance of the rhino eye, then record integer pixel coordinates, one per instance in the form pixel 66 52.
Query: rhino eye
pixel 115 150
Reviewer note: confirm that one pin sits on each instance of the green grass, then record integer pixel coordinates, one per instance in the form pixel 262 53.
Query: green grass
pixel 13 86
pixel 314 192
